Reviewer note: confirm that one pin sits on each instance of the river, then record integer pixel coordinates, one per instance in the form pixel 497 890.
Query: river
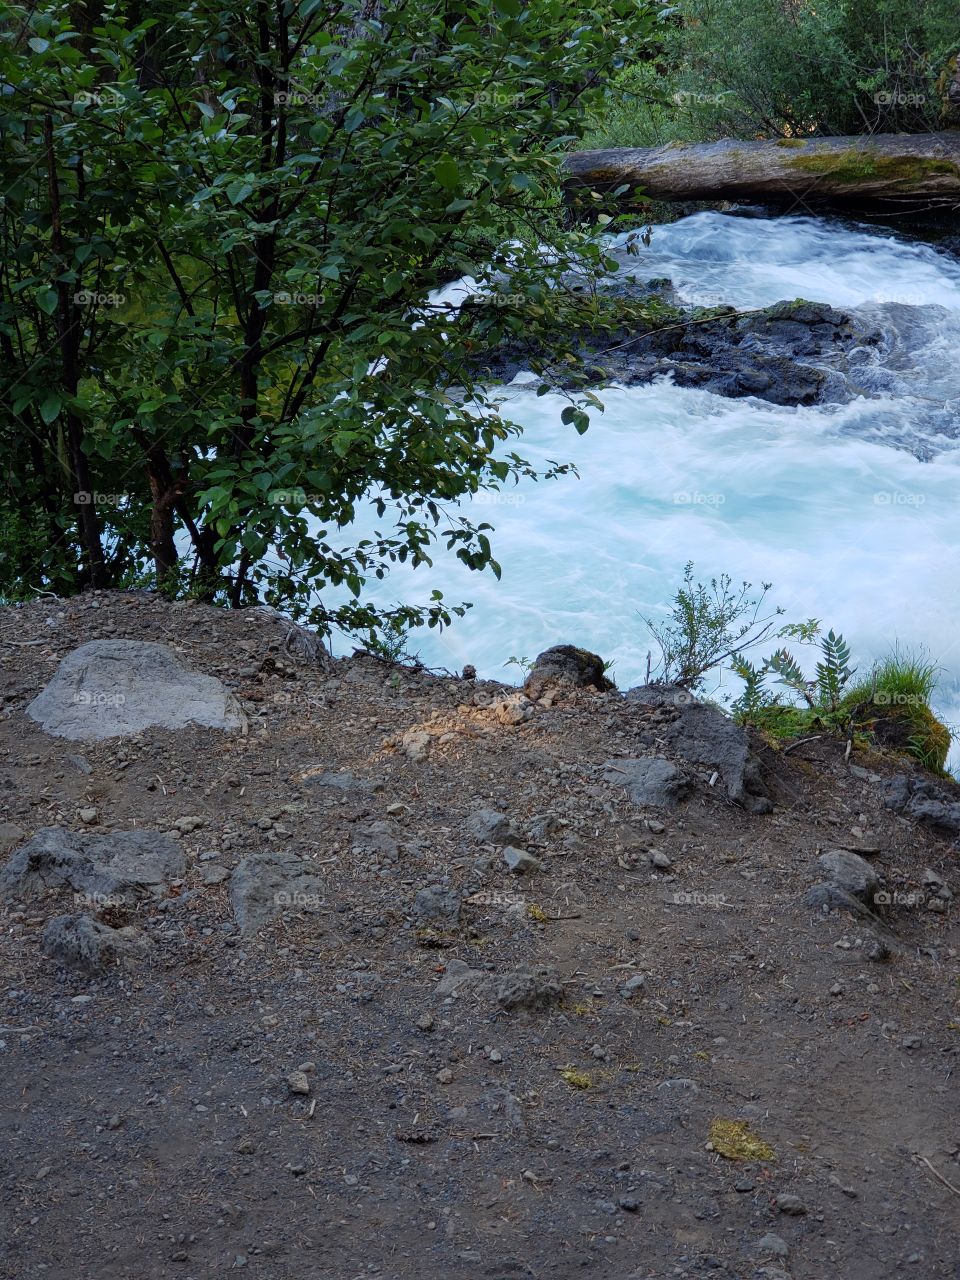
pixel 850 510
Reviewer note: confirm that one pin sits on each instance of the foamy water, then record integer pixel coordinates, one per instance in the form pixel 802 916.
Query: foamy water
pixel 829 503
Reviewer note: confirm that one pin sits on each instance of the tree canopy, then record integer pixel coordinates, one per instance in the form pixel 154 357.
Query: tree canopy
pixel 221 226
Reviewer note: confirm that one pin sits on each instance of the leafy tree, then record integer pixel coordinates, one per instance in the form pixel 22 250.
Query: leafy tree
pixel 221 226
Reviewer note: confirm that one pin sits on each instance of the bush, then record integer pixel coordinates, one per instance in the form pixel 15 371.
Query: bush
pixel 222 227
pixel 779 68
pixel 708 625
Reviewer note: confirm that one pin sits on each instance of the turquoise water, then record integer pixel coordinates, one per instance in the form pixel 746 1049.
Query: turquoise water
pixel 831 503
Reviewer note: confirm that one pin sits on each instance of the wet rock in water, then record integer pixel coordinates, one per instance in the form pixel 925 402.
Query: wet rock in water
pixel 266 884
pixel 566 666
pixel 437 905
pixel 790 353
pixel 528 989
pixel 109 688
pixel 850 873
pixel 121 866
pixel 702 735
pixel 80 942
pixel 650 780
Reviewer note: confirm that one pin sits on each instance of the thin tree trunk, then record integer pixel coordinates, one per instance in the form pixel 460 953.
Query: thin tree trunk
pixel 68 331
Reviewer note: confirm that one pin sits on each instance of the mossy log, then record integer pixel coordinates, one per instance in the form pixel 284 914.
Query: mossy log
pixel 889 169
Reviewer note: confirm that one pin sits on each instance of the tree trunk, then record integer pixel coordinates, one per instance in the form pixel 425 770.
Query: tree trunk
pixel 887 169
pixel 68 331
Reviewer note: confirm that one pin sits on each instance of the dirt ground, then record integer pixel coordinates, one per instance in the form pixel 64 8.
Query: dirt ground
pixel 149 1125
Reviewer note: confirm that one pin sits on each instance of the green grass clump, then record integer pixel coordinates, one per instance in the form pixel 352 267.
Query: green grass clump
pixel 893 707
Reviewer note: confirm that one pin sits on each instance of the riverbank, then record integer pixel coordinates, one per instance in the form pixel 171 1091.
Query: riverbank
pixel 425 1063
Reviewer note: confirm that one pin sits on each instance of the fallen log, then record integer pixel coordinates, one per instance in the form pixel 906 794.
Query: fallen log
pixel 889 169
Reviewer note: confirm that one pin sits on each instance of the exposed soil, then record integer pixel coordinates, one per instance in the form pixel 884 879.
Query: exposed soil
pixel 149 1128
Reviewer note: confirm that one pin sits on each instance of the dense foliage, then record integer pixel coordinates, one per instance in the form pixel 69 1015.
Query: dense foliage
pixel 221 224
pixel 781 68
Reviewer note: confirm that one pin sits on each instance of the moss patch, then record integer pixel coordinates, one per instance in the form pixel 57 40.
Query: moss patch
pixel 576 1079
pixel 853 165
pixel 735 1140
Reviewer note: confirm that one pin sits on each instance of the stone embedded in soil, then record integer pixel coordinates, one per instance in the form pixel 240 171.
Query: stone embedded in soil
pixel 121 865
pixel 110 688
pixel 80 942
pixel 791 1205
pixel 936 805
pixel 266 884
pixel 489 825
pixel 851 873
pixel 536 988
pixel 10 836
pixel 566 666
pixel 456 975
pixel 437 905
pixel 702 735
pixel 520 862
pixel 650 780
pixel 831 897
pixel 773 1246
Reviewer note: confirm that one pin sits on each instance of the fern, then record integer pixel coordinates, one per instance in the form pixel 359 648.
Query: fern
pixel 784 664
pixel 753 699
pixel 834 671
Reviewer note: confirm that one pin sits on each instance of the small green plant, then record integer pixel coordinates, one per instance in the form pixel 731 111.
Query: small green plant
pixel 709 624
pixel 525 664
pixel 833 673
pixel 389 642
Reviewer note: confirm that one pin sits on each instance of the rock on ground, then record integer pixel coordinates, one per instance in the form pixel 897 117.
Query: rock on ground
pixel 650 780
pixel 530 989
pixel 565 664
pixel 851 873
pixel 79 942
pixel 703 735
pixel 108 688
pixel 921 798
pixel 266 884
pixel 121 865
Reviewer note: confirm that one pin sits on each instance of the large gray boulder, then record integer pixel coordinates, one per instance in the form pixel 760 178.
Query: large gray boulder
pixel 108 688
pixel 120 866
pixel 650 780
pixel 79 942
pixel 701 734
pixel 266 884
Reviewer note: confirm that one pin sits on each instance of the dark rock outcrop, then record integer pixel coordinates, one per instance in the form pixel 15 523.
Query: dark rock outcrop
pixel 122 866
pixel 566 665
pixel 702 735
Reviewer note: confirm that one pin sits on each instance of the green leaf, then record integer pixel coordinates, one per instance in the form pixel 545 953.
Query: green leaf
pixel 237 192
pixel 50 407
pixel 47 300
pixel 447 173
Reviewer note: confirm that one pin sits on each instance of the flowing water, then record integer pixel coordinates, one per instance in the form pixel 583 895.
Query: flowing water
pixel 850 510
